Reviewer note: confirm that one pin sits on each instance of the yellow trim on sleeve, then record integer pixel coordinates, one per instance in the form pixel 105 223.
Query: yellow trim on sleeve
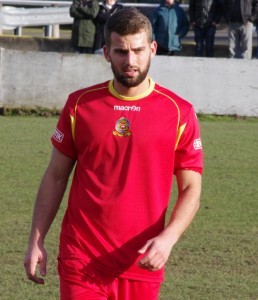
pixel 179 133
pixel 72 119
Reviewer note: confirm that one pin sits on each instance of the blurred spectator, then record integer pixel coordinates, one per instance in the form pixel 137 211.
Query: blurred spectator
pixel 106 9
pixel 170 25
pixel 256 28
pixel 240 15
pixel 204 16
pixel 83 28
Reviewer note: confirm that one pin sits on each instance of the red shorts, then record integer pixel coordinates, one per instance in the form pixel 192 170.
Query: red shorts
pixel 76 284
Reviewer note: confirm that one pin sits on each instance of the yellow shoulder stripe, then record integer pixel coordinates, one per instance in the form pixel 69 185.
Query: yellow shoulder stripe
pixel 179 133
pixel 73 117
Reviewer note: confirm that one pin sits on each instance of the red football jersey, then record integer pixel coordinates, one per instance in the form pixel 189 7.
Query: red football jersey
pixel 127 149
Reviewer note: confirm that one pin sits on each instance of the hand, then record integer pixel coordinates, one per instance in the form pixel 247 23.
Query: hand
pixel 35 256
pixel 157 252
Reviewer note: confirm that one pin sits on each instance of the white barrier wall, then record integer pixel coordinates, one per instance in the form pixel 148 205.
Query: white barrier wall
pixel 213 85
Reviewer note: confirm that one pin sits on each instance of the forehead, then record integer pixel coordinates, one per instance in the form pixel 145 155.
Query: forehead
pixel 132 40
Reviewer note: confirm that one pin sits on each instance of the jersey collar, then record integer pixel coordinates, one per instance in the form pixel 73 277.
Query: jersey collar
pixel 138 97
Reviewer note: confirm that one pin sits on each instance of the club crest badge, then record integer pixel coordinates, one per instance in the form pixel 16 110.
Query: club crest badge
pixel 122 128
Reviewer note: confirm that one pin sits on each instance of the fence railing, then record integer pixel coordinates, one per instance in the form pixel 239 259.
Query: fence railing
pixel 36 2
pixel 63 3
pixel 13 18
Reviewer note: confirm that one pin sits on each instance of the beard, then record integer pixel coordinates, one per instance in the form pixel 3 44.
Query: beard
pixel 127 81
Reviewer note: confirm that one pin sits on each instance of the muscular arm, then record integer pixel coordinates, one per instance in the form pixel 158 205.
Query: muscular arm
pixel 49 197
pixel 158 249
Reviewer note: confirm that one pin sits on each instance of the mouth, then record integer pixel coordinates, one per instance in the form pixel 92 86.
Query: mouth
pixel 130 72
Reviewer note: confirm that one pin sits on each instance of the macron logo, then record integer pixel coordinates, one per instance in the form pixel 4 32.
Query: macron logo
pixel 58 136
pixel 197 144
pixel 127 108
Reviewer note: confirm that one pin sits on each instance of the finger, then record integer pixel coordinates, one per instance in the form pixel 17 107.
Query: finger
pixel 147 262
pixel 43 267
pixel 154 260
pixel 36 279
pixel 152 251
pixel 156 264
pixel 30 267
pixel 145 247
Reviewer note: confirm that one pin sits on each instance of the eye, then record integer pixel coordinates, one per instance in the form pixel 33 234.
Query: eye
pixel 121 51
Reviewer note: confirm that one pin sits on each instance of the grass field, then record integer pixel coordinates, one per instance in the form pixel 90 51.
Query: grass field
pixel 216 259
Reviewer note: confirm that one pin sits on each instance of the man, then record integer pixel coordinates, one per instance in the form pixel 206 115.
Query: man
pixel 204 16
pixel 170 24
pixel 127 137
pixel 240 15
pixel 106 9
pixel 83 27
pixel 256 29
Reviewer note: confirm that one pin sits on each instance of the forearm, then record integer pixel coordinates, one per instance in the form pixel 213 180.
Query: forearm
pixel 49 197
pixel 158 249
pixel 48 200
pixel 186 207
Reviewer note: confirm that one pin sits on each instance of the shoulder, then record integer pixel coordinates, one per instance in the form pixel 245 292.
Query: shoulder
pixel 117 7
pixel 176 100
pixel 179 8
pixel 102 8
pixel 77 95
pixel 120 6
pixel 161 7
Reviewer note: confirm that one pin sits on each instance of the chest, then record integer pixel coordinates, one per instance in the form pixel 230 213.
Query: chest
pixel 114 127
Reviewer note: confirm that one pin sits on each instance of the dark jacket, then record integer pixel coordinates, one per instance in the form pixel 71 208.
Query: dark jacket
pixel 249 10
pixel 170 24
pixel 83 28
pixel 205 12
pixel 100 21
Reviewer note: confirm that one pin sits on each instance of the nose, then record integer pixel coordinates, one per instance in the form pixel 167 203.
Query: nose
pixel 130 58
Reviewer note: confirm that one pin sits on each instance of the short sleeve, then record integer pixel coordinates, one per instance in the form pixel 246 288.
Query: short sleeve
pixel 62 138
pixel 189 153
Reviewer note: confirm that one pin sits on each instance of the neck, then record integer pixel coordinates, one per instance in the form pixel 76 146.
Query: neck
pixel 170 4
pixel 132 91
pixel 110 3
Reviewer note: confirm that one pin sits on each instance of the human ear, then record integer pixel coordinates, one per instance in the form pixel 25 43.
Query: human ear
pixel 153 47
pixel 106 53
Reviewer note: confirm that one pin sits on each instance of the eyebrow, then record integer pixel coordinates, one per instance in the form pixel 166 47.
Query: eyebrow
pixel 132 49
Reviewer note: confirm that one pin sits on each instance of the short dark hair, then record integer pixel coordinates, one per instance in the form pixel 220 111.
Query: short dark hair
pixel 127 21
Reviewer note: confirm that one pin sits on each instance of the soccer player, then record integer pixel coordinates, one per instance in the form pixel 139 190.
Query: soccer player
pixel 126 138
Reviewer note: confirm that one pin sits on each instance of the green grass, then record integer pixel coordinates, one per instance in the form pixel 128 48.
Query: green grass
pixel 216 258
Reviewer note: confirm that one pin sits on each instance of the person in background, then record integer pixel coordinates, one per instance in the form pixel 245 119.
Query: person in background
pixel 204 16
pixel 170 24
pixel 128 138
pixel 240 15
pixel 256 29
pixel 83 28
pixel 106 9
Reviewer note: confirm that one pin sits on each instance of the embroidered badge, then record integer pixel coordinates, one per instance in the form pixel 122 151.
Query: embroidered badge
pixel 197 144
pixel 122 127
pixel 58 136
